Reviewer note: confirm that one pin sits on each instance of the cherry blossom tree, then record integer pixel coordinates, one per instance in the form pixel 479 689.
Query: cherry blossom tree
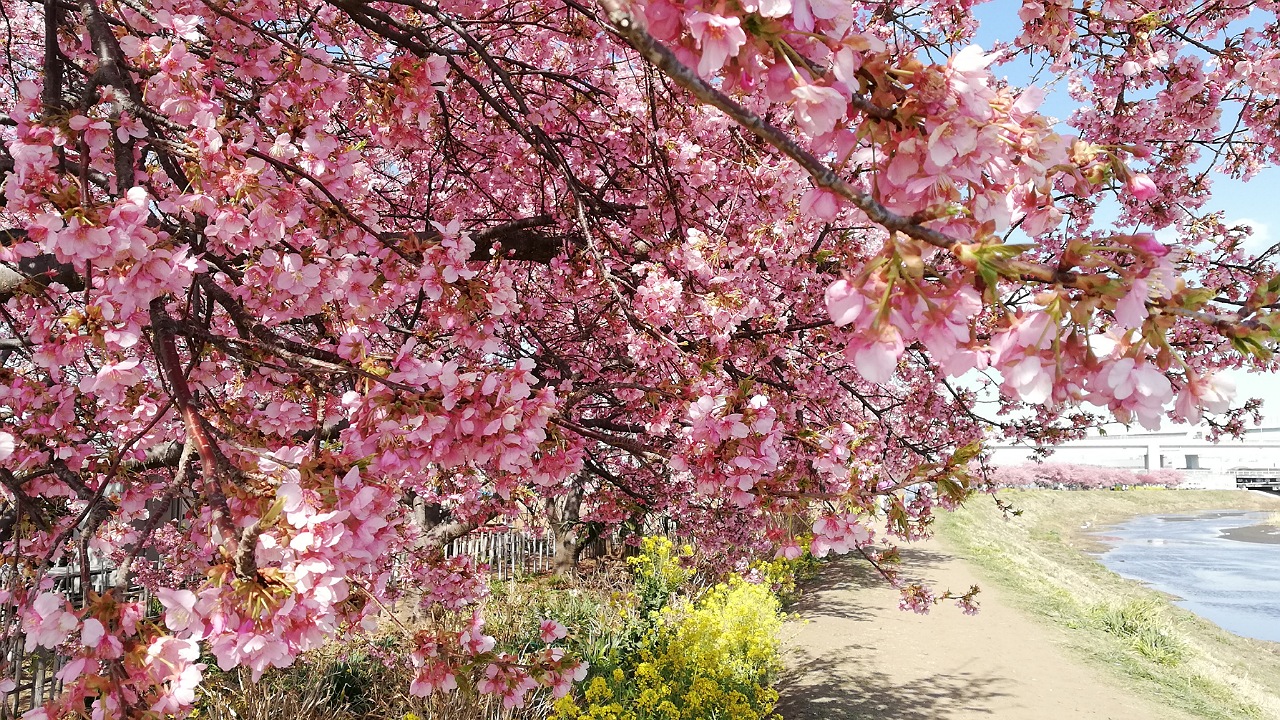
pixel 1081 477
pixel 290 287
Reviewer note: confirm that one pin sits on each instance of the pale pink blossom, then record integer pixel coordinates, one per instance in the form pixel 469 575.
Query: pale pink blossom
pixel 431 678
pixel 818 108
pixel 950 141
pixel 876 360
pixel 1131 310
pixel 844 302
pixel 473 640
pixel 296 275
pixel 774 8
pixel 663 19
pixel 1213 393
pixel 550 631
pixel 49 622
pixel 171 664
pixel 180 614
pixel 718 37
pixel 790 550
pixel 75 668
pixel 92 632
pixel 113 379
pixel 508 681
pixel 1146 243
pixel 820 203
pixel 1030 379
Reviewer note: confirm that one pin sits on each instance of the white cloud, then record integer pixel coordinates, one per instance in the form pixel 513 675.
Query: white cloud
pixel 1261 238
pixel 1168 235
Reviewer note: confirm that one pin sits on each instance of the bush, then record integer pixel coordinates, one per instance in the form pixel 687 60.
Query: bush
pixel 305 691
pixel 660 646
pixel 716 658
pixel 660 571
pixel 783 577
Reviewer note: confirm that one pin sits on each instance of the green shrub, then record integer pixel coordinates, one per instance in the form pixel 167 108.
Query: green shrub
pixel 654 651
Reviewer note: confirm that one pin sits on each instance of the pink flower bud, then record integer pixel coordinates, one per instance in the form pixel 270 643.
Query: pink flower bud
pixel 1141 187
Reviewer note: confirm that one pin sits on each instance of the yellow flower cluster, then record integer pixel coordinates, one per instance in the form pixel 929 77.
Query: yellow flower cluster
pixel 713 660
pixel 659 571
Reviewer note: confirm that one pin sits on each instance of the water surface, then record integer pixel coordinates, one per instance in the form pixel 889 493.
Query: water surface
pixel 1223 566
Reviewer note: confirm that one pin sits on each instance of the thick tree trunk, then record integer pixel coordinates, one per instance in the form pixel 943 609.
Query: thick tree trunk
pixel 562 519
pixel 564 560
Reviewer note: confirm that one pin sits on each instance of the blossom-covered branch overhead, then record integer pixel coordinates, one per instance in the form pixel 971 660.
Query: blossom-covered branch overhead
pixel 290 287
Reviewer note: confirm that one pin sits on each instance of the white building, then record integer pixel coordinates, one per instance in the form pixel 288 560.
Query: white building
pixel 1205 463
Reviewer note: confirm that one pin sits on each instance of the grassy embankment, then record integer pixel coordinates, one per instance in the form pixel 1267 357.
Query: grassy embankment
pixel 1041 560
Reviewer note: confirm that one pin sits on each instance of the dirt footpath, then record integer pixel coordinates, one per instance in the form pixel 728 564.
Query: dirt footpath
pixel 858 656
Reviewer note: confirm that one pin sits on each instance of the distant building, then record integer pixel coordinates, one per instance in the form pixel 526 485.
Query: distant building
pixel 1206 464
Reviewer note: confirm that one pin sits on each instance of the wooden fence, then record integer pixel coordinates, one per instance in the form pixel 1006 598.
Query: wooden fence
pixel 511 553
pixel 33 673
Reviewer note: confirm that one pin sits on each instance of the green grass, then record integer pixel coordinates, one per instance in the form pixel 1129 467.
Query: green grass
pixel 1041 559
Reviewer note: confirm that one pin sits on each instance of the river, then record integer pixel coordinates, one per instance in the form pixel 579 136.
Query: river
pixel 1223 566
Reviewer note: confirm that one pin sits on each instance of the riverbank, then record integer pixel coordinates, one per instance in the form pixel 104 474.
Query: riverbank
pixel 1040 561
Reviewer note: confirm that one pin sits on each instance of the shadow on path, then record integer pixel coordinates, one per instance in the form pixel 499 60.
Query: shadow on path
pixel 836 691
pixel 828 593
pixel 840 684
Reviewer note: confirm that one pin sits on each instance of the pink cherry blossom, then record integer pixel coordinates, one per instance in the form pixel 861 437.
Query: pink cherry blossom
pixel 171 665
pixel 877 359
pixel 844 302
pixel 1131 311
pixel 431 678
pixel 774 8
pixel 180 611
pixel 508 681
pixel 820 204
pixel 49 622
pixel 1030 380
pixel 473 640
pixel 1141 187
pixel 91 633
pixel 1212 393
pixel 818 108
pixel 718 37
pixel 742 264
pixel 789 550
pixel 550 631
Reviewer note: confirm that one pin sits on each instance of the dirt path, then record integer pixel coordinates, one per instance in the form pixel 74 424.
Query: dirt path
pixel 858 656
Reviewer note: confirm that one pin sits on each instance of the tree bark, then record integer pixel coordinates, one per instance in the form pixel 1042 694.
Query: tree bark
pixel 563 515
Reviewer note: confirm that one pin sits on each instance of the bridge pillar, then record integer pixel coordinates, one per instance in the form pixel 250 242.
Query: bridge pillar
pixel 1153 456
